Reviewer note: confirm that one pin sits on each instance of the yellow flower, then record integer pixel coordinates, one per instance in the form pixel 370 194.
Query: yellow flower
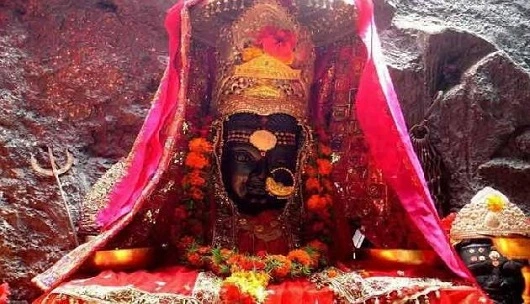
pixel 250 53
pixel 495 203
pixel 253 283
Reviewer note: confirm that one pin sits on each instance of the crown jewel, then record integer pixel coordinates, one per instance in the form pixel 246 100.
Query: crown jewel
pixel 266 64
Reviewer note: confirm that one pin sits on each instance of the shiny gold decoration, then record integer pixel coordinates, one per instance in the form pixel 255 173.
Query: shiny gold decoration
pixel 489 213
pixel 123 259
pixel 97 198
pixel 263 140
pixel 513 247
pixel 278 189
pixel 401 256
pixel 252 78
pixel 266 67
pixel 262 106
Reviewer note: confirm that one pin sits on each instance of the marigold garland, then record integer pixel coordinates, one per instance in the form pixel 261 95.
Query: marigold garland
pixel 318 190
pixel 247 276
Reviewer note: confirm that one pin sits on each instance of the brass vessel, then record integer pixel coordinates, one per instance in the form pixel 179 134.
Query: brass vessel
pixel 122 259
pixel 401 256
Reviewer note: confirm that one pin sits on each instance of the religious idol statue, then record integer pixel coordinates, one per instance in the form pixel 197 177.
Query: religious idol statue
pixel 491 219
pixel 275 126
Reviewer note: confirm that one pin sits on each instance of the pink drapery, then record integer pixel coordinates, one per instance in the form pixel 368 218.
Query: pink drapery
pixel 381 119
pixel 148 147
pixel 378 112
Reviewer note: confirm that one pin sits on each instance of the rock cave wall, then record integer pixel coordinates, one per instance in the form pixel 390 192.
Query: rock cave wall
pixel 79 75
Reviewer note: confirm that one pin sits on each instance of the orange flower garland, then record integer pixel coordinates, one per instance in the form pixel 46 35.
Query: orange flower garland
pixel 200 145
pixel 318 189
pixel 301 257
pixel 247 276
pixel 313 185
pixel 189 213
pixel 196 160
pixel 226 262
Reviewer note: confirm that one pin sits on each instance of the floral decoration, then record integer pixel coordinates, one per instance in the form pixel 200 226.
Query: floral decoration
pixel 495 203
pixel 246 277
pixel 318 190
pixel 190 213
pixel 251 274
pixel 273 41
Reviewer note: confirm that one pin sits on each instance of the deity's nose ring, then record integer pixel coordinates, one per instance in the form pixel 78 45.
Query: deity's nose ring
pixel 278 189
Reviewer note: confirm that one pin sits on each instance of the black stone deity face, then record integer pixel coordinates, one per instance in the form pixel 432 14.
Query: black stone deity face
pixel 258 149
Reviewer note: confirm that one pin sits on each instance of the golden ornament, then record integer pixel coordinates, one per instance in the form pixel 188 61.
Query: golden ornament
pixel 263 140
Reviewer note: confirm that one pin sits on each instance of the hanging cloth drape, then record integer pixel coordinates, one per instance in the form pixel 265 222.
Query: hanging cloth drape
pixel 381 119
pixel 378 112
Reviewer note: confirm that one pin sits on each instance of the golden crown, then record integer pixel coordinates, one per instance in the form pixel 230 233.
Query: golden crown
pixel 266 64
pixel 489 213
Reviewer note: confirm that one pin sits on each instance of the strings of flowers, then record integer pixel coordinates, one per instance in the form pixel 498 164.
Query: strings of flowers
pixel 190 213
pixel 317 189
pixel 246 277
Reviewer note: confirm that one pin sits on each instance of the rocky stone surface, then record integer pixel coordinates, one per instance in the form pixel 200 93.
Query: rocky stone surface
pixel 73 75
pixel 504 23
pixel 475 125
pixel 476 54
pixel 79 75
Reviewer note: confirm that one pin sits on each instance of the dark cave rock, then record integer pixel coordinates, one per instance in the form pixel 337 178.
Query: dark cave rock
pixel 80 75
pixel 509 176
pixel 476 119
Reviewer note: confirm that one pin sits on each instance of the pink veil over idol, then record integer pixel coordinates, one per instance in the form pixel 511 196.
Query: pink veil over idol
pixel 396 204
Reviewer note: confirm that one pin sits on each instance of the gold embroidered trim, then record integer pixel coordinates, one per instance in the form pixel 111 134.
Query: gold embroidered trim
pixel 98 197
pixel 352 288
pixel 126 294
pixel 207 288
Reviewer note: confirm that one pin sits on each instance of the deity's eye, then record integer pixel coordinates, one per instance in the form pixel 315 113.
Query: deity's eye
pixel 243 157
